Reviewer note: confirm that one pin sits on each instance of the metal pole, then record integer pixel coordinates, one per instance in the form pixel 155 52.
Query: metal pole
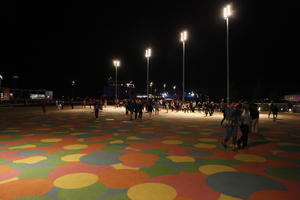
pixel 116 84
pixel 227 24
pixel 183 70
pixel 147 78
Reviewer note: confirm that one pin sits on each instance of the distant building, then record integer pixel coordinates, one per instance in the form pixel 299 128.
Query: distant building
pixel 21 95
pixel 125 90
pixel 292 97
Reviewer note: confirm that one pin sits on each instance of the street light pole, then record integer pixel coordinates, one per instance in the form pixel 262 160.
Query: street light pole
pixel 1 78
pixel 148 55
pixel 116 64
pixel 183 38
pixel 227 14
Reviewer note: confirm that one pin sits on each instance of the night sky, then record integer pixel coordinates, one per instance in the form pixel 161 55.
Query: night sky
pixel 48 44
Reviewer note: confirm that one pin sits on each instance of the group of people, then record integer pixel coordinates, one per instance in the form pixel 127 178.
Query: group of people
pixel 241 117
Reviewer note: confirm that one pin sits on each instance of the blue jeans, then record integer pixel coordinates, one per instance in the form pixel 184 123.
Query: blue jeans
pixel 231 132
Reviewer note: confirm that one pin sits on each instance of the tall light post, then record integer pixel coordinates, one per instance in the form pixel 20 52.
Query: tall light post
pixel 73 85
pixel 1 78
pixel 116 64
pixel 227 13
pixel 151 85
pixel 183 38
pixel 148 55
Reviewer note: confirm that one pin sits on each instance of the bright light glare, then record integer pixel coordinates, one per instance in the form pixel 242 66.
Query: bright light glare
pixel 183 36
pixel 227 12
pixel 116 63
pixel 148 53
pixel 1 77
pixel 174 87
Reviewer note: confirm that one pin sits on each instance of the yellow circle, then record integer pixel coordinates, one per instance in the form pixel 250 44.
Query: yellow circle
pixel 116 142
pixel 249 158
pixel 151 191
pixel 51 140
pixel 133 138
pixel 208 140
pixel 76 180
pixel 181 158
pixel 205 146
pixel 72 157
pixel 172 142
pixel 213 169
pixel 75 146
pixel 26 146
pixel 227 197
pixel 31 160
pixel 74 134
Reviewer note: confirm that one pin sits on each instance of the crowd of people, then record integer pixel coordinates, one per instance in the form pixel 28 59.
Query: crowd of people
pixel 241 117
pixel 237 117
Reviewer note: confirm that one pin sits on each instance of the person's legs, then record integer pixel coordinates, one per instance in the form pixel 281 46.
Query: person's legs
pixel 245 134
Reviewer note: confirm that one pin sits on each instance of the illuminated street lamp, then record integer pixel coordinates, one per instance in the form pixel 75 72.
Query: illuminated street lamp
pixel 151 85
pixel 116 64
pixel 1 78
pixel 148 55
pixel 73 85
pixel 183 38
pixel 164 87
pixel 226 14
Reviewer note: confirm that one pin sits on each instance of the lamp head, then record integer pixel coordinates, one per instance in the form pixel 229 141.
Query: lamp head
pixel 227 11
pixel 183 36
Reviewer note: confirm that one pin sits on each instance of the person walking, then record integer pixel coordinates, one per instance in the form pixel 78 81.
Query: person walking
pixel 245 122
pixel 254 113
pixel 231 125
pixel 275 112
pixel 96 108
pixel 43 104
pixel 167 106
pixel 222 109
pixel 72 103
pixel 140 106
pixel 270 108
pixel 150 109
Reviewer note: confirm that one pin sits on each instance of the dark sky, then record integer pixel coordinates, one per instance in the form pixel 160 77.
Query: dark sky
pixel 48 44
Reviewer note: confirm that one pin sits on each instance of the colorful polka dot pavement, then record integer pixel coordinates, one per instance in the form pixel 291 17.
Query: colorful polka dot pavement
pixel 68 154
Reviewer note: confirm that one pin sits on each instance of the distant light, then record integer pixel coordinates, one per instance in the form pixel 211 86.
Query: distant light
pixel 1 77
pixel 148 53
pixel 227 12
pixel 73 82
pixel 290 110
pixel 116 63
pixel 258 108
pixel 174 87
pixel 15 77
pixel 164 94
pixel 151 84
pixel 165 85
pixel 183 36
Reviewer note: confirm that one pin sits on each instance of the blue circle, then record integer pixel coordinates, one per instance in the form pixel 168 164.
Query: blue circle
pixel 240 184
pixel 102 158
pixel 31 152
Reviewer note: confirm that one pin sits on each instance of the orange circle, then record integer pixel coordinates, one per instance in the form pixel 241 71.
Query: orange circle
pixel 122 178
pixel 273 194
pixel 25 187
pixel 139 159
pixel 4 169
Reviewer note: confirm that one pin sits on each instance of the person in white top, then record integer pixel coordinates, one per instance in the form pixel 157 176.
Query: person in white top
pixel 245 122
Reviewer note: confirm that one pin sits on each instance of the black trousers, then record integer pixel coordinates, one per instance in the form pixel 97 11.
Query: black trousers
pixel 244 139
pixel 96 113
